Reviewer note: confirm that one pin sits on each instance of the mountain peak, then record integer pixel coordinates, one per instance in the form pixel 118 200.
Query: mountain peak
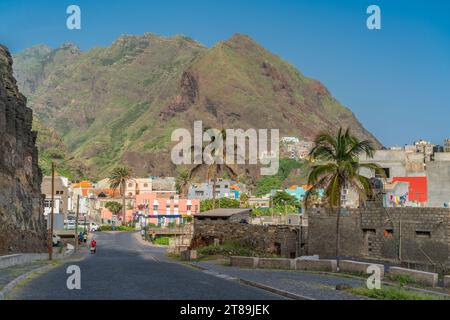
pixel 239 39
pixel 71 47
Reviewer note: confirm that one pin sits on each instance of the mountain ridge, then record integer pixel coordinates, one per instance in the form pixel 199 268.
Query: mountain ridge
pixel 120 103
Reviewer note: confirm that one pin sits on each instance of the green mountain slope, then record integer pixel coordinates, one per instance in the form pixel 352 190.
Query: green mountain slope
pixel 120 103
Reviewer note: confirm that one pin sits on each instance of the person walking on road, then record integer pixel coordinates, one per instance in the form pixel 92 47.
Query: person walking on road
pixel 93 246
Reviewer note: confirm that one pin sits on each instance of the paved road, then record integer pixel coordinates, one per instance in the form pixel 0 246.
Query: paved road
pixel 311 285
pixel 123 268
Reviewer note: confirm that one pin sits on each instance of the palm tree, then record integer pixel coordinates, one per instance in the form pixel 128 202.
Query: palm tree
pixel 337 168
pixel 214 169
pixel 182 182
pixel 118 180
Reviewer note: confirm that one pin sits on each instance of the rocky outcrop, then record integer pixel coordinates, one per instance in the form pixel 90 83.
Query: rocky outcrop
pixel 22 226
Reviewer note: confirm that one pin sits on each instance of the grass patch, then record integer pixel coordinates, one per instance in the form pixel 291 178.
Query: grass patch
pixel 162 241
pixel 393 294
pixel 401 279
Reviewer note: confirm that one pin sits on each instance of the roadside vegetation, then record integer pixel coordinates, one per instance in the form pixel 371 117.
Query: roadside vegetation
pixel 231 248
pixel 119 228
pixel 162 241
pixel 392 293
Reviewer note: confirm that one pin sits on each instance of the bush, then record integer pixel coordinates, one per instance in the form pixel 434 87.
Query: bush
pixel 232 248
pixel 105 228
pixel 163 241
pixel 123 228
pixel 393 294
pixel 401 279
pixel 206 205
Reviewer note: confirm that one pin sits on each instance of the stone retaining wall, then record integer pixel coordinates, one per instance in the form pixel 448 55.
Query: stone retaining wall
pixel 417 237
pixel 285 241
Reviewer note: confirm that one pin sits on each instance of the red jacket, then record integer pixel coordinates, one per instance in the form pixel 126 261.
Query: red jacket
pixel 93 243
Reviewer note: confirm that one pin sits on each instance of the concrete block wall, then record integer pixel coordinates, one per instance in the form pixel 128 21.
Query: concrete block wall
pixel 418 236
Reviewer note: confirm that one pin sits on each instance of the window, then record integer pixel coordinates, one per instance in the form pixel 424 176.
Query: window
pixel 388 233
pixel 189 208
pixel 199 193
pixel 423 234
pixel 47 203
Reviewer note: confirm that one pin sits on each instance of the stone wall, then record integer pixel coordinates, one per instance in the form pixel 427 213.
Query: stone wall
pixel 285 241
pixel 22 227
pixel 417 237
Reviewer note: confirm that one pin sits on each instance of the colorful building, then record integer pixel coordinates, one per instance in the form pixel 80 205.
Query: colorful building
pixel 418 188
pixel 299 192
pixel 163 211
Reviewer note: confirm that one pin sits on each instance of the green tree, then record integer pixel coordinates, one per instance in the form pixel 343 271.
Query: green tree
pixel 183 181
pixel 282 198
pixel 118 180
pixel 114 207
pixel 215 167
pixel 337 167
pixel 206 205
pixel 243 199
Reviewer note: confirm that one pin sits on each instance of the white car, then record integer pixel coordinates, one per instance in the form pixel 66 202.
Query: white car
pixel 71 225
pixel 56 240
pixel 94 227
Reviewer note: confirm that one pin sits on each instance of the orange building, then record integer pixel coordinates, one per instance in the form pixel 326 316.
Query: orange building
pixel 418 188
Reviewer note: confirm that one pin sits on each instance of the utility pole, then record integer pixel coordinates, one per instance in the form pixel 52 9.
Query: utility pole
pixel 52 216
pixel 76 223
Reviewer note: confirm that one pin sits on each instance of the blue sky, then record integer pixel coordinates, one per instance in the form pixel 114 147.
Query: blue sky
pixel 396 80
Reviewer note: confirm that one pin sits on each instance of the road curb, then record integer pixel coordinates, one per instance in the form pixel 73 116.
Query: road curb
pixel 264 287
pixel 12 284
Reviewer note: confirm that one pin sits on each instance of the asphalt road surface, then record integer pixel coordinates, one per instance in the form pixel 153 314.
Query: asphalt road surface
pixel 124 268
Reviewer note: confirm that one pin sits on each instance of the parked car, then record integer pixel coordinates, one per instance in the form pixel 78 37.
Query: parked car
pixel 56 240
pixel 71 225
pixel 94 227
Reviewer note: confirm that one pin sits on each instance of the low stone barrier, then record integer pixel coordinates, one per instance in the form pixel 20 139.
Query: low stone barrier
pixel 23 258
pixel 421 277
pixel 446 281
pixel 276 263
pixel 244 262
pixel 358 267
pixel 316 265
pixel 188 255
pixel 16 259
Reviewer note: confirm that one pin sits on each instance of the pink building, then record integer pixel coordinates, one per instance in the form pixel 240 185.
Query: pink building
pixel 161 210
pixel 107 216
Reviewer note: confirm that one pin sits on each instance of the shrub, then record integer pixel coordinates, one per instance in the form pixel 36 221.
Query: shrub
pixel 105 228
pixel 232 248
pixel 206 205
pixel 163 241
pixel 393 294
pixel 402 279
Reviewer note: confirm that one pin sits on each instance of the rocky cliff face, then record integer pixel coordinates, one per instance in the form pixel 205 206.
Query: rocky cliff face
pixel 22 226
